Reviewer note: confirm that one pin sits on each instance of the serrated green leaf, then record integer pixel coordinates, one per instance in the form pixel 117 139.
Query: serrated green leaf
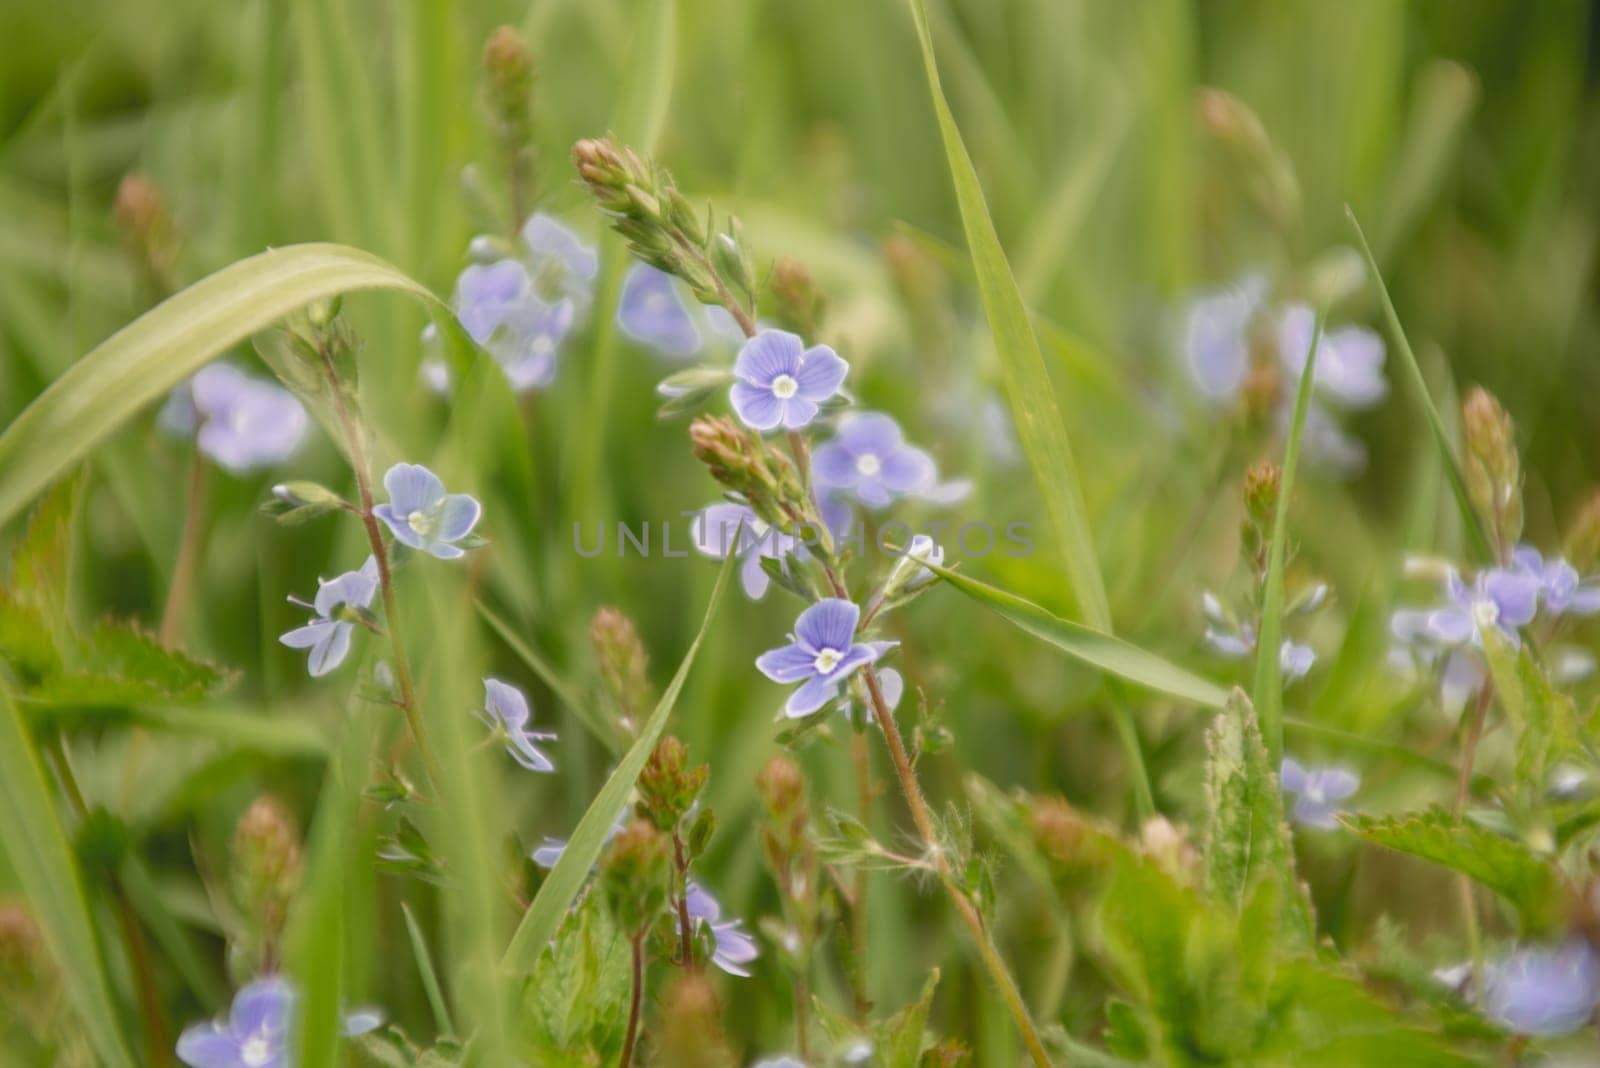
pixel 1509 868
pixel 37 847
pixel 1247 841
pixel 1268 689
pixel 142 361
pixel 576 999
pixel 1089 646
pixel 901 1035
pixel 561 886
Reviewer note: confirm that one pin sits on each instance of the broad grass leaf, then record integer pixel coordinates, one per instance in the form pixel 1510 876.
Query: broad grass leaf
pixel 561 886
pixel 142 361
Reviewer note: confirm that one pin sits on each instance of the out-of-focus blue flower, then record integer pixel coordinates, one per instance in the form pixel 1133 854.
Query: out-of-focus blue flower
pixel 328 635
pixel 505 710
pixel 869 458
pixel 529 341
pixel 653 312
pixel 1349 372
pixel 1232 639
pixel 1559 585
pixel 1544 991
pixel 487 294
pixel 726 527
pixel 823 653
pixel 781 382
pixel 1216 338
pixel 256 1032
pixel 783 1061
pixel 1317 792
pixel 550 849
pixel 422 515
pixel 562 265
pixel 1506 598
pixel 733 949
pixel 238 421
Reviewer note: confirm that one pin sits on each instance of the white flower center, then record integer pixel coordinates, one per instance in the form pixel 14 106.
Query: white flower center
pixel 1485 613
pixel 868 465
pixel 784 387
pixel 256 1051
pixel 421 522
pixel 826 661
pixel 542 345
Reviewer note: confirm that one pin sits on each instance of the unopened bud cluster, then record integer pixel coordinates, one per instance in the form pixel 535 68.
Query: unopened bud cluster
pixel 266 872
pixel 736 458
pixel 1263 483
pixel 623 664
pixel 635 874
pixel 1492 469
pixel 668 785
pixel 1265 170
pixel 147 228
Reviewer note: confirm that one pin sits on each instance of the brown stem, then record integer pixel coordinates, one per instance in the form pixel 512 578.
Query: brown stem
pixel 861 756
pixel 183 571
pixel 634 1000
pixel 402 667
pixel 685 928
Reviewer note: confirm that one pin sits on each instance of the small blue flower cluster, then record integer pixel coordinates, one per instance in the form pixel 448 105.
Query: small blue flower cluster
pixel 257 1032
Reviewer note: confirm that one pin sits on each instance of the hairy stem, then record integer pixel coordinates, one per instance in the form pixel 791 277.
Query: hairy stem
pixel 635 999
pixel 685 928
pixel 356 441
pixel 183 571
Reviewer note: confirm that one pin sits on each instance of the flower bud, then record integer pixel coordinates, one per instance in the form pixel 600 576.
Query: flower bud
pixel 295 502
pixel 634 875
pixel 1263 483
pixel 147 228
pixel 732 260
pixel 737 459
pixel 623 664
pixel 508 82
pixel 266 871
pixel 1492 469
pixel 689 1032
pixel 1267 174
pixel 908 573
pixel 800 302
pixel 668 785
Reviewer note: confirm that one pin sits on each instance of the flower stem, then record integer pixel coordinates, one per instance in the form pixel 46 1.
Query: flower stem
pixel 685 929
pixel 1469 908
pixel 402 667
pixel 862 758
pixel 636 998
pixel 183 571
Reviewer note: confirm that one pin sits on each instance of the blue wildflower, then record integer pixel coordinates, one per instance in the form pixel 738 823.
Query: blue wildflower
pixel 529 341
pixel 733 948
pixel 1559 585
pixel 1216 341
pixel 870 459
pixel 422 515
pixel 1503 598
pixel 240 422
pixel 781 382
pixel 256 1033
pixel 1349 371
pixel 505 709
pixel 550 849
pixel 1317 792
pixel 562 264
pixel 1232 639
pixel 653 312
pixel 488 294
pixel 724 528
pixel 823 653
pixel 1544 991
pixel 337 603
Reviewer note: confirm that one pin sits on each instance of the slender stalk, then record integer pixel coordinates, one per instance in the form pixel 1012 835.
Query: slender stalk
pixel 355 439
pixel 183 571
pixel 861 757
pixel 1464 890
pixel 685 928
pixel 635 999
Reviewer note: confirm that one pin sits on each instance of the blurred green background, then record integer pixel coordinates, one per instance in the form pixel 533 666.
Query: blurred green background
pixel 1465 136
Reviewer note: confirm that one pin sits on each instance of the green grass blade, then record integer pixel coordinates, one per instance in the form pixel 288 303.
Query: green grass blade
pixel 37 846
pixel 1095 648
pixel 1033 403
pixel 142 361
pixel 544 916
pixel 1419 386
pixel 1268 693
pixel 429 974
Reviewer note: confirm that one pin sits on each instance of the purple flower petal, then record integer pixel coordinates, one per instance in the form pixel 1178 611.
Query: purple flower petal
pixel 767 355
pixel 1292 776
pixel 399 525
pixel 816 692
pixel 524 752
pixel 721 528
pixel 653 312
pixel 1338 783
pixel 828 624
pixel 330 652
pixel 1450 625
pixel 821 373
pixel 549 238
pixel 207 1046
pixel 505 703
pixel 797 412
pixel 487 294
pixel 263 1007
pixel 869 432
pixel 309 635
pixel 755 406
pixel 753 578
pixel 548 852
pixel 412 488
pixel 790 663
pixel 1216 340
pixel 908 470
pixel 1514 593
pixel 457 516
pixel 833 465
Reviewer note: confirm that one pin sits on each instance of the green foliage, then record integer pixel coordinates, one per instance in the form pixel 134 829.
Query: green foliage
pixel 1247 841
pixel 897 1041
pixel 1529 883
pixel 575 1000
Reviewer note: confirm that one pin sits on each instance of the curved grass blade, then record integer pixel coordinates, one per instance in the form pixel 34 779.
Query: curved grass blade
pixel 41 856
pixel 1268 691
pixel 1099 650
pixel 544 916
pixel 146 358
pixel 1419 386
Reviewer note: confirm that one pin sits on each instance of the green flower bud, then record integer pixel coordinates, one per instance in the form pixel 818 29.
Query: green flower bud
pixel 689 1031
pixel 1491 466
pixel 265 872
pixel 668 786
pixel 635 874
pixel 623 665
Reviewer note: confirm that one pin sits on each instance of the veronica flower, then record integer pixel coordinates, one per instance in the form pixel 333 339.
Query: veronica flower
pixel 336 605
pixel 422 515
pixel 724 528
pixel 1317 792
pixel 256 1032
pixel 505 709
pixel 1234 640
pixel 781 382
pixel 1349 371
pixel 869 458
pixel 487 295
pixel 1216 338
pixel 550 849
pixel 1544 991
pixel 562 264
pixel 653 312
pixel 240 422
pixel 1559 585
pixel 733 948
pixel 1505 598
pixel 1414 645
pixel 823 653
pixel 527 344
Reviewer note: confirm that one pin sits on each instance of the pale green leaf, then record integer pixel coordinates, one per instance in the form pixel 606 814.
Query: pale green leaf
pixel 561 886
pixel 142 361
